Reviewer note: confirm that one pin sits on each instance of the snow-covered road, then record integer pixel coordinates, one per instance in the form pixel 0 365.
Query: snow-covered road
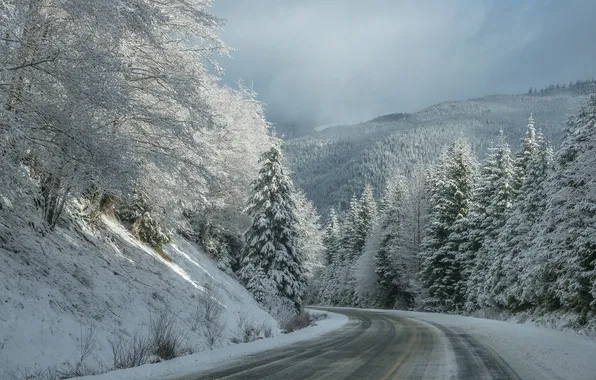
pixel 378 344
pixel 381 344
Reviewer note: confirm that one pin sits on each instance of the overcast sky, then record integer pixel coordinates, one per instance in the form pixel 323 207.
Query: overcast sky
pixel 344 61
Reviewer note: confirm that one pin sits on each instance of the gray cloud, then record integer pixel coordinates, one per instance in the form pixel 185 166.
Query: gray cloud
pixel 346 61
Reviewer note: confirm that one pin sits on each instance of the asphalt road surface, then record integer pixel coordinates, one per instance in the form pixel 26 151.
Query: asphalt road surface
pixel 373 345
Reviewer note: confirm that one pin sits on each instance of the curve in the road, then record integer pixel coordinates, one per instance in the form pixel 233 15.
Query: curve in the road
pixel 374 345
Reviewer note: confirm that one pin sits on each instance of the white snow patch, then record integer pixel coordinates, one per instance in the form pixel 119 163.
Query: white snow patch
pixel 203 361
pixel 533 352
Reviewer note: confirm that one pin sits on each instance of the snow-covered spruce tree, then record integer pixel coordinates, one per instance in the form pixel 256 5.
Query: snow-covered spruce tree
pixel 389 268
pixel 367 216
pixel 522 158
pixel 331 239
pixel 367 284
pixel 271 243
pixel 493 198
pixel 514 243
pixel 310 234
pixel 332 244
pixel 349 252
pixel 451 189
pixel 567 277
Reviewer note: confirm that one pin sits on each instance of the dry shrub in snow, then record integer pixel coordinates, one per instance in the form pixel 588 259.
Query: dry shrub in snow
pixel 165 338
pixel 129 353
pixel 208 316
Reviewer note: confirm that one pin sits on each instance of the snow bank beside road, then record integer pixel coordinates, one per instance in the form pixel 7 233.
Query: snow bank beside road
pixel 202 361
pixel 533 352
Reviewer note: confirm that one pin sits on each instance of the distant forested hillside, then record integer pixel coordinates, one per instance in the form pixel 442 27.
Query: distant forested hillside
pixel 334 164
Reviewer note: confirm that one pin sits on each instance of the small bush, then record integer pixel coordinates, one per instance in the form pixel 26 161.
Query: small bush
pixel 129 353
pixel 165 338
pixel 248 330
pixel 143 221
pixel 296 322
pixel 300 321
pixel 208 316
pixel 77 370
pixel 267 330
pixel 37 374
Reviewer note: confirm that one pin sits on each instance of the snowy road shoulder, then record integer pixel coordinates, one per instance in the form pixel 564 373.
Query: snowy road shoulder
pixel 201 361
pixel 533 352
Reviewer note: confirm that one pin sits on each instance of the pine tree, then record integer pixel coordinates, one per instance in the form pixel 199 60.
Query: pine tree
pixel 270 252
pixel 367 212
pixel 523 157
pixel 367 217
pixel 568 240
pixel 516 237
pixel 348 254
pixel 332 243
pixel 391 285
pixel 331 239
pixel 359 223
pixel 493 199
pixel 451 190
pixel 350 239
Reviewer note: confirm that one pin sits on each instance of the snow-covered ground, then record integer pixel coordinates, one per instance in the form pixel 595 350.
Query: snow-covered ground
pixel 203 361
pixel 533 352
pixel 56 290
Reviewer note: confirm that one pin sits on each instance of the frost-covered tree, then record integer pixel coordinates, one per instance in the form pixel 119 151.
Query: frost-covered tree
pixel 493 198
pixel 328 285
pixel 331 239
pixel 514 243
pixel 272 240
pixel 522 158
pixel 451 188
pixel 367 282
pixel 91 87
pixel 310 234
pixel 567 244
pixel 356 229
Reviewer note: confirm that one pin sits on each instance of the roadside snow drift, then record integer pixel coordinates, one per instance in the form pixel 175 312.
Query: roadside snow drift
pixel 77 287
pixel 533 352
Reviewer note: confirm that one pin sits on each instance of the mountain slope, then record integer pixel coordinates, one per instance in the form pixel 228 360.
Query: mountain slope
pixel 78 282
pixel 333 164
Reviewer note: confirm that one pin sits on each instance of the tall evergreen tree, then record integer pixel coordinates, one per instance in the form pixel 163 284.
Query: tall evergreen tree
pixel 359 223
pixel 331 238
pixel 271 257
pixel 387 266
pixel 568 238
pixel 515 239
pixel 333 256
pixel 452 184
pixel 523 157
pixel 493 199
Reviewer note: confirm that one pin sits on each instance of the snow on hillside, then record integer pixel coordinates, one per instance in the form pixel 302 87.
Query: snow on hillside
pixel 58 290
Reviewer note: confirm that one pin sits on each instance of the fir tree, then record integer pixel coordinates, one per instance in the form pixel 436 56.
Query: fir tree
pixel 493 199
pixel 567 277
pixel 331 238
pixel 523 157
pixel 331 272
pixel 451 190
pixel 388 270
pixel 515 239
pixel 270 253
